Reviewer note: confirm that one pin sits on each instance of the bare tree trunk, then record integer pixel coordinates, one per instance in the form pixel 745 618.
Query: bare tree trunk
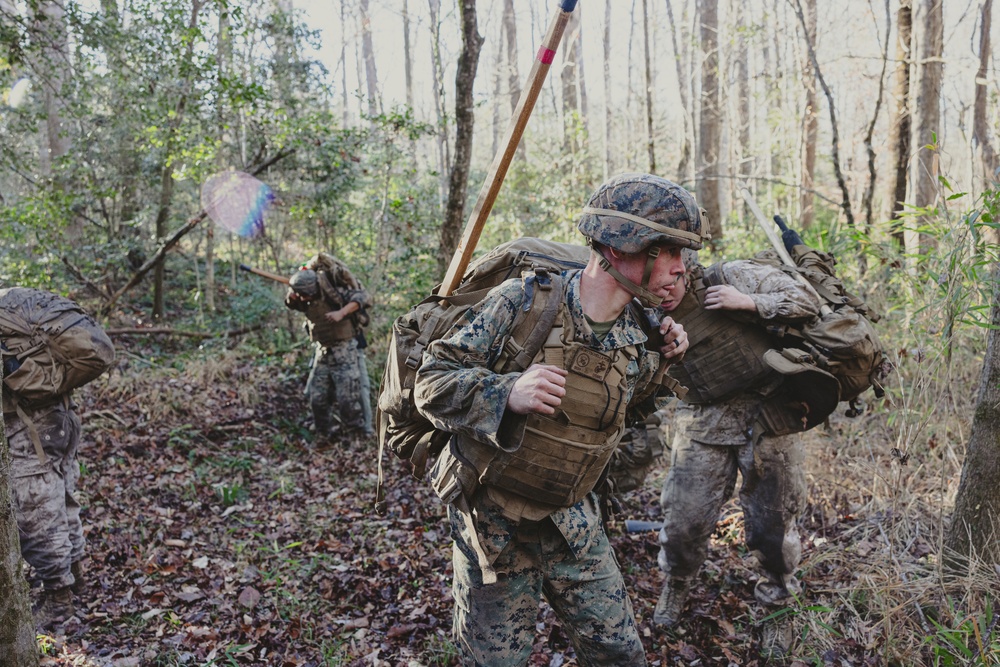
pixel 975 523
pixel 869 196
pixel 900 121
pixel 835 139
pixel 444 150
pixel 225 57
pixel 710 124
pixel 167 175
pixel 608 163
pixel 927 126
pixel 465 80
pixel 407 58
pixel 53 67
pixel 928 104
pixel 810 125
pixel 17 635
pixel 683 164
pixel 981 140
pixel 368 55
pixel 513 75
pixel 570 92
pixel 650 142
pixel 745 157
pixel 344 97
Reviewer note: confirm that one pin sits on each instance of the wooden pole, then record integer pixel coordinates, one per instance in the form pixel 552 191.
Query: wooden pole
pixel 498 170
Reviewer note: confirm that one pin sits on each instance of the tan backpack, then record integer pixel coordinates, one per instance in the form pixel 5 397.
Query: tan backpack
pixel 50 347
pixel 401 428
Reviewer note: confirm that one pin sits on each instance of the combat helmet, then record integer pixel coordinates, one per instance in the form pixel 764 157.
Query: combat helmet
pixel 634 213
pixel 304 282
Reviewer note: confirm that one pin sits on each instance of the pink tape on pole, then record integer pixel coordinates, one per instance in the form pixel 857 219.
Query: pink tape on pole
pixel 545 56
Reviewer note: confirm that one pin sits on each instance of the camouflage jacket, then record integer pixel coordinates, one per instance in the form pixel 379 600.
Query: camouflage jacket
pixel 456 390
pixel 779 298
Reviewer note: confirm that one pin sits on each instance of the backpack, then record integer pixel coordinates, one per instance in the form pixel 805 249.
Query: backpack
pixel 50 347
pixel 843 342
pixel 402 430
pixel 331 272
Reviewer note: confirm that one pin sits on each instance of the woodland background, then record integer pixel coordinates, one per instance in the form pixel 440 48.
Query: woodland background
pixel 216 539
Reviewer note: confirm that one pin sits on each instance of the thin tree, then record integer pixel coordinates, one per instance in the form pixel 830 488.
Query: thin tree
pixel 437 68
pixel 53 68
pixel 869 196
pixel 835 132
pixel 344 98
pixel 17 636
pixel 900 120
pixel 981 141
pixel 368 56
pixel 741 62
pixel 513 75
pixel 810 125
pixel 683 84
pixel 167 171
pixel 650 142
pixel 570 91
pixel 974 531
pixel 465 79
pixel 927 128
pixel 607 89
pixel 710 118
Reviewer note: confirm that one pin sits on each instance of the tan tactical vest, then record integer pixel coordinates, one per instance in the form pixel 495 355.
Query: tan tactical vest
pixel 561 457
pixel 725 356
pixel 322 330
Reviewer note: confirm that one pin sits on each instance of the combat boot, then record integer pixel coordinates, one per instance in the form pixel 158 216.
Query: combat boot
pixel 671 602
pixel 56 608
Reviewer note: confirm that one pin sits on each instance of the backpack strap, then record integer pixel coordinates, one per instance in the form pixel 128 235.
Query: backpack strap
pixel 543 295
pixel 32 433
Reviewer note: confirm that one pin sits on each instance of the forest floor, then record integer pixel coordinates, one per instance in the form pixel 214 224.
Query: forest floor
pixel 216 537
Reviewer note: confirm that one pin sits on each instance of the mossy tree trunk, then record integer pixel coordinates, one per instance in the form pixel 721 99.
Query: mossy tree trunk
pixel 17 629
pixel 975 524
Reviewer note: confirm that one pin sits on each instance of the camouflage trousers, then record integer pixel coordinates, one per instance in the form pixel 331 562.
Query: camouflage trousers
pixel 335 388
pixel 48 516
pixel 494 624
pixel 772 495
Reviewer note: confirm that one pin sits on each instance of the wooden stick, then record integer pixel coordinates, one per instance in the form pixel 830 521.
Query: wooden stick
pixel 498 170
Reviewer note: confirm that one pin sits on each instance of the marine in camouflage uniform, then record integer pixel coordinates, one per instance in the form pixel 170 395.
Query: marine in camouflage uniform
pixel 48 514
pixel 334 303
pixel 502 474
pixel 717 440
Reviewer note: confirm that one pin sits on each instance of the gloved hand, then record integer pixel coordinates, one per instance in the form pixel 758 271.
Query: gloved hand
pixel 789 237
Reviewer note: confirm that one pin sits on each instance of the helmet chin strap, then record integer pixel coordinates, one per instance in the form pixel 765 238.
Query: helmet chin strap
pixel 641 292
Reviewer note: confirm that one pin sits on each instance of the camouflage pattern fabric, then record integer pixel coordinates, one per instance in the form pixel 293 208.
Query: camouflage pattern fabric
pixel 48 515
pixel 495 624
pixel 713 442
pixel 772 496
pixel 566 556
pixel 334 387
pixel 458 393
pixel 667 206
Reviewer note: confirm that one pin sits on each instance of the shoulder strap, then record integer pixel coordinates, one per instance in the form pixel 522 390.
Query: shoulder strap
pixel 543 295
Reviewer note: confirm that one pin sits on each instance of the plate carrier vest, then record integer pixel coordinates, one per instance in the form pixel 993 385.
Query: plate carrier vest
pixel 562 456
pixel 724 356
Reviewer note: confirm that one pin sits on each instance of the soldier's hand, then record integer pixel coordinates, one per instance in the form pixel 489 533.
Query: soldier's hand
pixel 539 389
pixel 675 339
pixel 727 297
pixel 335 315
